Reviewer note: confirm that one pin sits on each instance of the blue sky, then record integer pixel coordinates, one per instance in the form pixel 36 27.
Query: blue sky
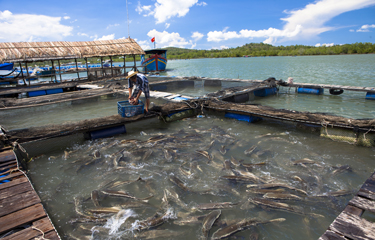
pixel 193 24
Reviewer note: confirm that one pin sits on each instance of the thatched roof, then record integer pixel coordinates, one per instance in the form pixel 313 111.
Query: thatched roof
pixel 42 51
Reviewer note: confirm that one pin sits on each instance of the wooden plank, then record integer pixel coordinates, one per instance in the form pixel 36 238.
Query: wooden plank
pixel 329 235
pixel 12 175
pixel 8 166
pixel 7 156
pixel 363 203
pixel 4 164
pixel 366 194
pixel 353 227
pixel 43 224
pixel 21 217
pixel 17 202
pixel 13 183
pixel 16 189
pixel 52 235
pixel 353 210
pixel 369 184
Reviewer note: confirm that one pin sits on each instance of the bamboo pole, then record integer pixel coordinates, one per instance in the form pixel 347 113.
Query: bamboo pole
pixel 124 66
pixel 53 69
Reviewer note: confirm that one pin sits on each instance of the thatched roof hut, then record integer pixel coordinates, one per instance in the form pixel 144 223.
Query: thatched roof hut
pixel 46 51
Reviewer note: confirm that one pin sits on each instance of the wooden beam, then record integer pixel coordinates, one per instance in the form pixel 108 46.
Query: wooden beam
pixel 75 59
pixel 23 77
pixel 58 61
pixel 124 65
pixel 110 57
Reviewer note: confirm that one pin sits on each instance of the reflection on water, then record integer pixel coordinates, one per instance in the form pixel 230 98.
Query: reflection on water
pixel 160 180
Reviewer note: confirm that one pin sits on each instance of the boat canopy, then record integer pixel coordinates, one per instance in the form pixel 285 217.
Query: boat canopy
pixel 44 51
pixel 157 51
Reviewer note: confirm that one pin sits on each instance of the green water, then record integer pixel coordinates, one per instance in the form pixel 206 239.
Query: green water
pixel 60 173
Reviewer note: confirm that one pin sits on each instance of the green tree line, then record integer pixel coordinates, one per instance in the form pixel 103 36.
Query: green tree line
pixel 262 49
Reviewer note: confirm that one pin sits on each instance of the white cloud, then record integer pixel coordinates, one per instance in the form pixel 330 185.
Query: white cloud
pixel 324 44
pixel 166 9
pixel 83 34
pixel 145 45
pixel 167 25
pixel 305 23
pixel 197 36
pixel 166 39
pixel 202 4
pixel 113 25
pixel 26 27
pixel 66 17
pixel 106 37
pixel 224 47
pixel 366 28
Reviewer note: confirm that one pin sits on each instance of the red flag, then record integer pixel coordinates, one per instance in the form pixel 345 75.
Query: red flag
pixel 153 39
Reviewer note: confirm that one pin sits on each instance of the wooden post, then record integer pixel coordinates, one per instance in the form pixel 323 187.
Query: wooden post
pixel 110 57
pixel 58 61
pixel 135 65
pixel 75 59
pixel 87 69
pixel 28 75
pixel 23 77
pixel 53 69
pixel 101 62
pixel 124 66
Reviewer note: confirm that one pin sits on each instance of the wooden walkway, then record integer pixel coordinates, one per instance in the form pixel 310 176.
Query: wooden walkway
pixel 22 215
pixel 350 224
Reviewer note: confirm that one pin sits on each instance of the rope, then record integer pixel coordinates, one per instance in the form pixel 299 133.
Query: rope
pixel 42 237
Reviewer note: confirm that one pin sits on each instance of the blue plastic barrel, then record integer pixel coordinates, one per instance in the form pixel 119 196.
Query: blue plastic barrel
pixel 265 92
pixel 315 91
pixel 108 132
pixel 370 95
pixel 242 117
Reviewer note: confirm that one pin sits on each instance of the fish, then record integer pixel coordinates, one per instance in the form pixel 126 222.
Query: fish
pixel 342 192
pixel 113 184
pixel 239 179
pixel 277 185
pixel 250 150
pixel 281 196
pixel 264 191
pixel 223 150
pixel 96 154
pixel 132 204
pixel 176 198
pixel 116 159
pixel 184 172
pixel 205 154
pixel 190 220
pixel 100 210
pixel 239 226
pixel 159 234
pixel 227 164
pixel 168 154
pixel 194 165
pixel 275 205
pixel 251 165
pixel 234 161
pixel 95 197
pixel 208 221
pixel 66 155
pixel 247 174
pixel 219 205
pixel 154 222
pixel 179 183
pixel 304 161
pixel 147 154
pixel 342 169
pixel 124 194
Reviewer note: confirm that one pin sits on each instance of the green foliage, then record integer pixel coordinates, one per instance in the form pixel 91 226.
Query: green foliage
pixel 262 49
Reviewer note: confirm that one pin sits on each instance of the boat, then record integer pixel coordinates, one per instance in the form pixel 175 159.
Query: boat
pixel 154 60
pixel 7 73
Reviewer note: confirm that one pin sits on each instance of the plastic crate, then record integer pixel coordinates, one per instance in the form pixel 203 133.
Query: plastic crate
pixel 125 109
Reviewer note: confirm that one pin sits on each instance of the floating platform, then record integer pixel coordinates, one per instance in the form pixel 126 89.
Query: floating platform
pixel 350 224
pixel 22 215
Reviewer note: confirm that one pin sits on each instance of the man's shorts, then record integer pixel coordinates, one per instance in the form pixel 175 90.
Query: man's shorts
pixel 146 91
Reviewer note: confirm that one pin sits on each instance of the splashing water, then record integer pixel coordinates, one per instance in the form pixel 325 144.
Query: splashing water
pixel 114 223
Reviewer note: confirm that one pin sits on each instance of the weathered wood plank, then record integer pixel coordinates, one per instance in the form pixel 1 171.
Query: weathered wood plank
pixel 7 156
pixel 8 166
pixel 353 227
pixel 16 189
pixel 17 202
pixel 363 203
pixel 21 217
pixel 12 175
pixel 43 224
pixel 13 183
pixel 52 235
pixel 349 209
pixel 369 184
pixel 329 235
pixel 5 164
pixel 366 194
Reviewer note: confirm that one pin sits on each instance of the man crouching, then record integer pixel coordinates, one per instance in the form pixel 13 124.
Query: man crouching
pixel 141 85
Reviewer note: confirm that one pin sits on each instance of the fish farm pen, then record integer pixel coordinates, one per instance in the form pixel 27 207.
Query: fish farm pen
pixel 209 161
